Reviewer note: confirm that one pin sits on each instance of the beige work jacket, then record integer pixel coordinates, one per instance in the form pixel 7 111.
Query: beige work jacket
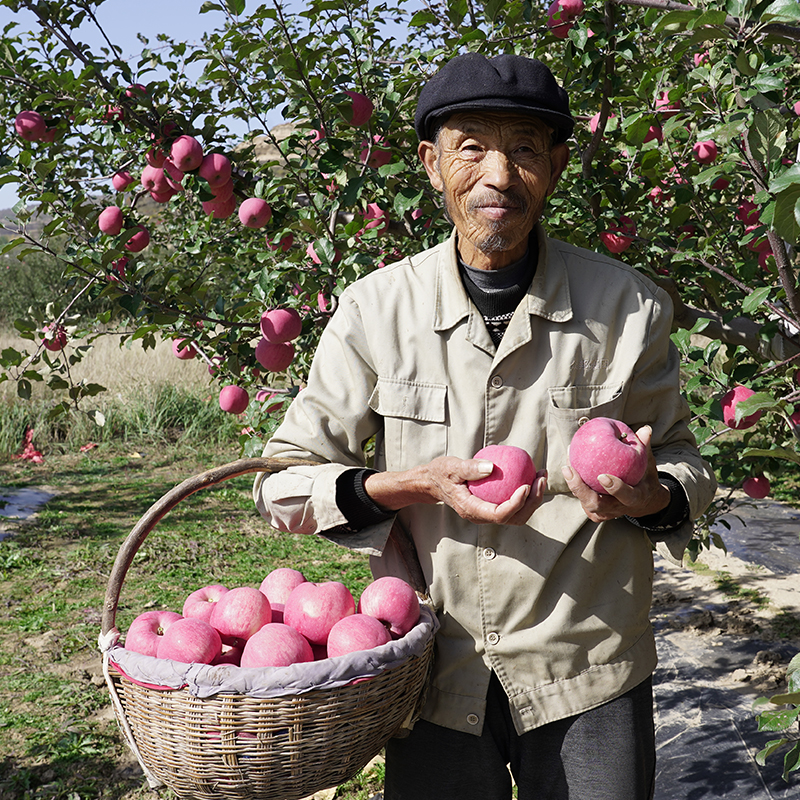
pixel 559 607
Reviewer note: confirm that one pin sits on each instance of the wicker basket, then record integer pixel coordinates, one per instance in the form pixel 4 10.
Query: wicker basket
pixel 254 748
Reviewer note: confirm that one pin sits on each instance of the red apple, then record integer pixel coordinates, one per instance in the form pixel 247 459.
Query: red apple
pixel 312 254
pixel 280 583
pixel 220 208
pixel 136 90
pixel 314 608
pixel 55 337
pixel 747 212
pixel 122 180
pixel 354 633
pixel 654 132
pixel 234 399
pixel 376 217
pixel 153 179
pixel 231 654
pixel 110 220
pixel 222 192
pixel 191 641
pixel 147 629
pixel 619 236
pixel 276 645
pixel 513 467
pixel 729 402
pixel 376 153
pixel 155 157
pixel 666 107
pixel 240 612
pixel 274 356
pixel 561 16
pixel 604 446
pixel 215 169
pixel 283 244
pixel 392 601
pixel 200 603
pixel 756 487
pixel 183 351
pixel 30 125
pixel 138 241
pixel 254 212
pixel 281 324
pixel 173 176
pixel 186 153
pixel 595 121
pixel 359 111
pixel 705 152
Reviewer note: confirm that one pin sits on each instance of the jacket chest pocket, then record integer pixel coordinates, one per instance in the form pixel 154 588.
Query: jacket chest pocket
pixel 568 405
pixel 414 419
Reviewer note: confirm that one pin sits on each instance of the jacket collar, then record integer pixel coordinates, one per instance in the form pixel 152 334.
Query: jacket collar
pixel 548 295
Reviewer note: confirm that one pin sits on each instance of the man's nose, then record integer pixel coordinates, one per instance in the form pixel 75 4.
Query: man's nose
pixel 499 170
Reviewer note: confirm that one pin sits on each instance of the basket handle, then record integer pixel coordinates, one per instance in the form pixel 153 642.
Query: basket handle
pixel 165 504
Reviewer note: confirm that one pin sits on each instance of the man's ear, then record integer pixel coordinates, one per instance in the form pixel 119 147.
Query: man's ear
pixel 559 156
pixel 429 155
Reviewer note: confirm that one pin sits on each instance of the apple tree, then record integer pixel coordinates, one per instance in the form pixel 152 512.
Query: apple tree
pixel 684 165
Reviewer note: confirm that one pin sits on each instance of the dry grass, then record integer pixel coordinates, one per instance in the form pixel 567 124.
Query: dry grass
pixel 121 369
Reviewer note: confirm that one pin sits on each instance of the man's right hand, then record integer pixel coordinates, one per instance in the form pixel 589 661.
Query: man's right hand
pixel 444 480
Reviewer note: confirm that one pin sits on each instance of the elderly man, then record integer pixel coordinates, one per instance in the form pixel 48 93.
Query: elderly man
pixel 501 335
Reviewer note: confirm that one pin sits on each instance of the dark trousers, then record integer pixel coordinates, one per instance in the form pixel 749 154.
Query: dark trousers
pixel 607 753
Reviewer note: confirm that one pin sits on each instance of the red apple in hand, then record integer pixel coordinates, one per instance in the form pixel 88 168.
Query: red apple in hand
pixel 240 612
pixel 147 629
pixel 191 641
pixel 354 633
pixel 604 446
pixel 200 604
pixel 314 608
pixel 276 645
pixel 392 601
pixel 513 467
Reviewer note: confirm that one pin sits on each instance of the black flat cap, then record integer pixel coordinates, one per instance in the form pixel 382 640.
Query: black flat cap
pixel 472 82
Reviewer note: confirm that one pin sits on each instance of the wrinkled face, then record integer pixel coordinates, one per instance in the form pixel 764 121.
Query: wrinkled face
pixel 495 171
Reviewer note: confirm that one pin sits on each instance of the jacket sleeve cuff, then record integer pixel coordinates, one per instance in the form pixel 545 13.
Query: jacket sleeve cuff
pixel 355 504
pixel 673 516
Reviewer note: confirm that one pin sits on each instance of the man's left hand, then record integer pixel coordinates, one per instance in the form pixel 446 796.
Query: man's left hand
pixel 647 497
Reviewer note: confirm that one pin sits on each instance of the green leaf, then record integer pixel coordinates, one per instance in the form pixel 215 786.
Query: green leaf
pixel 235 6
pixel 781 11
pixel 422 18
pixel 755 299
pixel 791 698
pixel 407 199
pixel 786 217
pixel 760 401
pixel 785 180
pixel 776 452
pixel 777 720
pixel 763 135
pixel 791 760
pixel 768 750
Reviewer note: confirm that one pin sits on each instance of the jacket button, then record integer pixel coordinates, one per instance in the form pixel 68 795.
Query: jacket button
pixel 493 638
pixel 473 719
pixel 489 553
pixel 497 382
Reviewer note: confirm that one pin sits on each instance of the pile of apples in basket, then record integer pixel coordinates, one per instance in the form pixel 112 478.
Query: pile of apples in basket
pixel 287 620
